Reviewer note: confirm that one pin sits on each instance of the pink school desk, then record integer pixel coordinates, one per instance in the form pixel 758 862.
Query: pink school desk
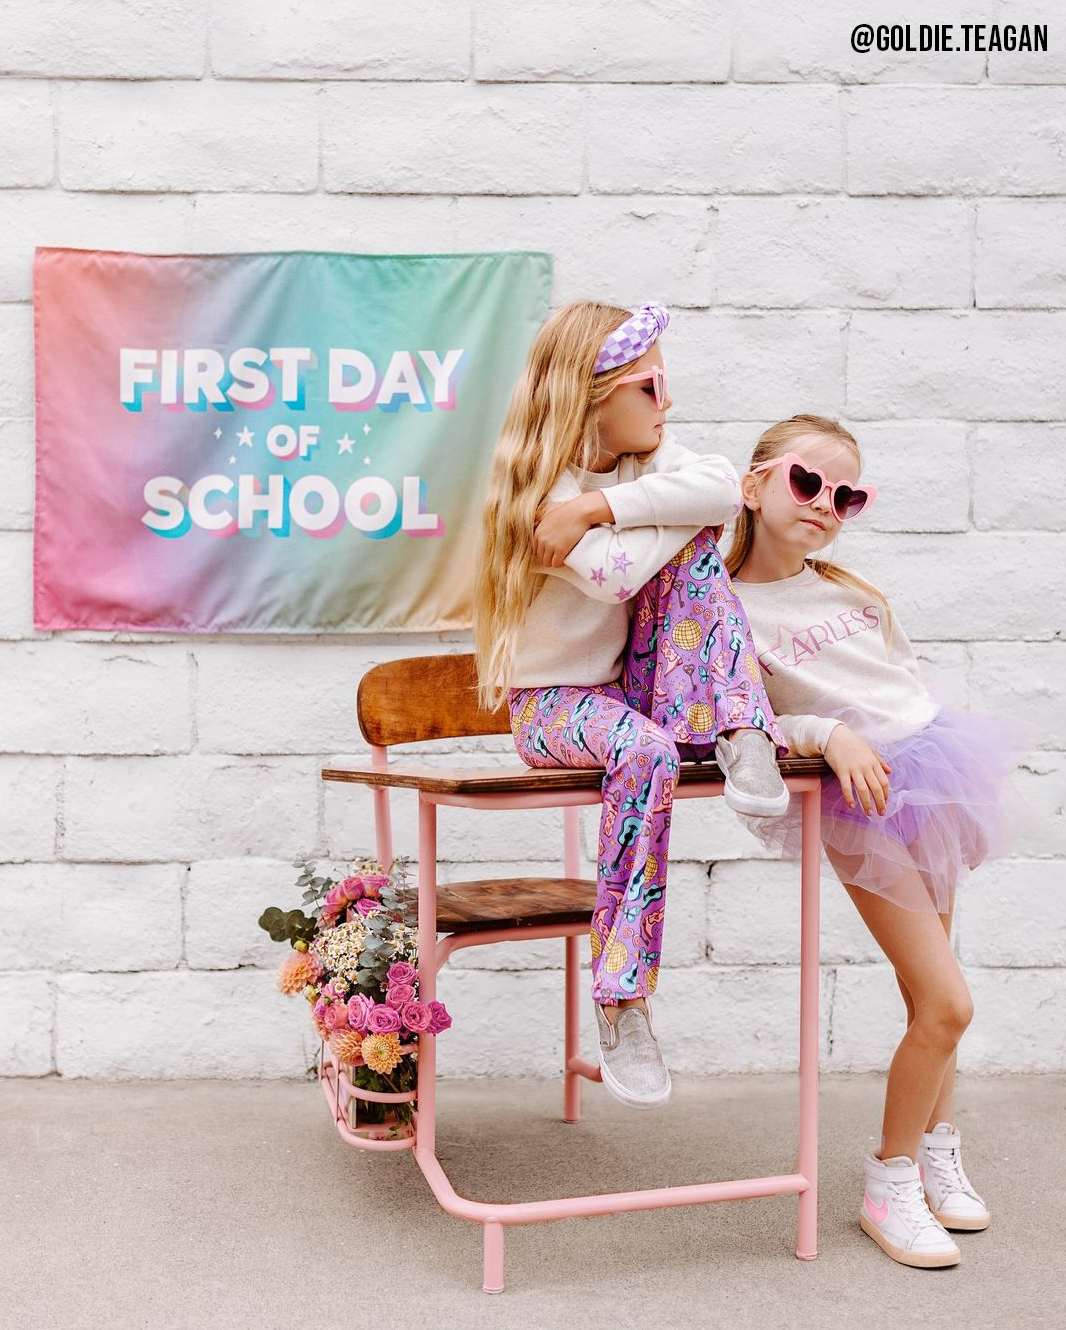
pixel 432 697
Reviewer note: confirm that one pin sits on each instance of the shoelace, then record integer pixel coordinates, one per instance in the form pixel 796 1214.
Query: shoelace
pixel 946 1164
pixel 910 1201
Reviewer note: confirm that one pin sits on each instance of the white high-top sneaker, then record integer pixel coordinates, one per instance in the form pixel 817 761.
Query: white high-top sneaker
pixel 895 1215
pixel 948 1190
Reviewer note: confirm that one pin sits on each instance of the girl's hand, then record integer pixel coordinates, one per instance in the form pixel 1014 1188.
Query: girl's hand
pixel 855 762
pixel 559 526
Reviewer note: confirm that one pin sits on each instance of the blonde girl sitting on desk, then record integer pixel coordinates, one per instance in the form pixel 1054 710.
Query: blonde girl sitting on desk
pixel 603 616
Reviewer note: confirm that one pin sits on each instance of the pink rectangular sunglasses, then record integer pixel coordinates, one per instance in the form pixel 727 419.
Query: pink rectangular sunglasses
pixel 658 377
pixel 805 483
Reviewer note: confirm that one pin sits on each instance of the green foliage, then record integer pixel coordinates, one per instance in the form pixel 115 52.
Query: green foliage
pixel 288 926
pixel 316 887
pixel 403 1078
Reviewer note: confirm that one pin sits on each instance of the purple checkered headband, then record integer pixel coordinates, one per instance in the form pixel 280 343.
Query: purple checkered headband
pixel 633 338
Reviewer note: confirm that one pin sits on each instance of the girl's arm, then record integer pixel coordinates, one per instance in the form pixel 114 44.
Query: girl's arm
pixel 612 562
pixel 609 564
pixel 612 565
pixel 678 488
pixel 807 736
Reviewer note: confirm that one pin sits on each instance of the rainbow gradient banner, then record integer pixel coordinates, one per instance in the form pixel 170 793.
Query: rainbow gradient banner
pixel 285 442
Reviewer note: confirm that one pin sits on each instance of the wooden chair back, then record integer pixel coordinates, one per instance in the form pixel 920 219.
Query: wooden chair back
pixel 424 697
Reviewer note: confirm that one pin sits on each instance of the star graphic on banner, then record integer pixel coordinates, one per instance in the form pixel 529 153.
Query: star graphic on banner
pixel 244 438
pixel 621 561
pixel 366 429
pixel 366 461
pixel 218 434
pixel 344 444
pixel 232 460
pixel 624 593
pixel 597 576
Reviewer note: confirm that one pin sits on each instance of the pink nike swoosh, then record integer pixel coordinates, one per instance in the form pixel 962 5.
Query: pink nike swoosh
pixel 878 1213
pixel 921 1171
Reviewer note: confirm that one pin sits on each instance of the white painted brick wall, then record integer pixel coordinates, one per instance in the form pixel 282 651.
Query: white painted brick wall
pixel 872 236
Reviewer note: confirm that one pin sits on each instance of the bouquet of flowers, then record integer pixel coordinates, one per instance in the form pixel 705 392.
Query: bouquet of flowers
pixel 355 959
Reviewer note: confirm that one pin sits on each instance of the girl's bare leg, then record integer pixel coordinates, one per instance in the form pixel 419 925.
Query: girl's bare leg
pixel 917 945
pixel 944 1108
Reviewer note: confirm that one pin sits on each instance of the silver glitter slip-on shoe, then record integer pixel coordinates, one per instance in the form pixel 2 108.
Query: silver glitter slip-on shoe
pixel 753 784
pixel 631 1064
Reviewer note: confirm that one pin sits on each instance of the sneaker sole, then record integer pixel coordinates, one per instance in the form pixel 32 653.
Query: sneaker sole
pixel 922 1260
pixel 960 1223
pixel 753 806
pixel 627 1098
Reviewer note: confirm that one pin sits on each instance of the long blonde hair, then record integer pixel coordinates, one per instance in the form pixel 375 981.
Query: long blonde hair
pixel 550 422
pixel 772 443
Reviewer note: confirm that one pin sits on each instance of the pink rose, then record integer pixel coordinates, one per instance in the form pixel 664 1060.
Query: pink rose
pixel 336 1014
pixel 399 994
pixel 438 1018
pixel 334 906
pixel 359 1009
pixel 402 973
pixel 320 1008
pixel 416 1016
pixel 383 1020
pixel 352 887
pixel 373 882
pixel 367 906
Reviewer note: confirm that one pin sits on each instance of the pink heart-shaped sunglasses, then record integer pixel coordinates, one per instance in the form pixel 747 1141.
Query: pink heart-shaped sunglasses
pixel 805 483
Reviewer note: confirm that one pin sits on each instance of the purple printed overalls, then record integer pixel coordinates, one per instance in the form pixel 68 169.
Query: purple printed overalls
pixel 689 672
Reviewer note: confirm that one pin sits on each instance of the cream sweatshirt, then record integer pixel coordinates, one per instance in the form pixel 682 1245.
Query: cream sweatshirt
pixel 575 630
pixel 825 661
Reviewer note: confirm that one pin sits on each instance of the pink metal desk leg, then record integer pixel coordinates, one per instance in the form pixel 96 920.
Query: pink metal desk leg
pixel 572 983
pixel 807 1164
pixel 426 1133
pixel 572 1043
pixel 379 757
pixel 426 1138
pixel 492 1281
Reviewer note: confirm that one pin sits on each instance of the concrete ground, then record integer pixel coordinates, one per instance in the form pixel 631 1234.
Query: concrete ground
pixel 235 1204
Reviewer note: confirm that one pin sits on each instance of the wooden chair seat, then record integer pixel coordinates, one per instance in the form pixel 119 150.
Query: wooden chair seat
pixel 516 777
pixel 513 902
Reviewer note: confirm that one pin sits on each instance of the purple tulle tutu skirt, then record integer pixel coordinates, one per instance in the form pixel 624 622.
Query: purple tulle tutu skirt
pixel 951 806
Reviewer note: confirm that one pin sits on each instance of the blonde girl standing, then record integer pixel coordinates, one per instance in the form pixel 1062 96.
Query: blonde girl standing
pixel 917 801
